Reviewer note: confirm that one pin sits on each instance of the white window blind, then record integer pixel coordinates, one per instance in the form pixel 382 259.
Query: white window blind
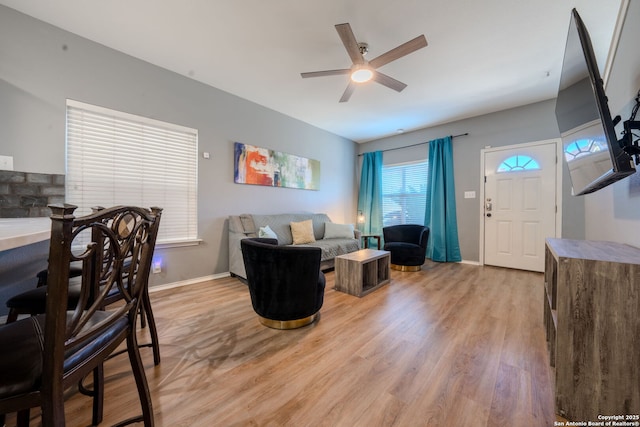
pixel 115 158
pixel 404 193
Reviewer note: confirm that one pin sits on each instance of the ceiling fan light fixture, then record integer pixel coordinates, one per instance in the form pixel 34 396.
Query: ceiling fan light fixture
pixel 362 75
pixel 361 70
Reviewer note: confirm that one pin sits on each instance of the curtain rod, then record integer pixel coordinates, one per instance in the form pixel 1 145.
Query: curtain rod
pixel 415 145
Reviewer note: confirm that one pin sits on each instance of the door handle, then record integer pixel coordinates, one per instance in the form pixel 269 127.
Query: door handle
pixel 488 207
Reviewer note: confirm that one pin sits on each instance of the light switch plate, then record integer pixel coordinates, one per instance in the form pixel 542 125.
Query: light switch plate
pixel 6 163
pixel 469 194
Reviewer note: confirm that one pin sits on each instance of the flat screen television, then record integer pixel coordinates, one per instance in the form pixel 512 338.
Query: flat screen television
pixel 591 149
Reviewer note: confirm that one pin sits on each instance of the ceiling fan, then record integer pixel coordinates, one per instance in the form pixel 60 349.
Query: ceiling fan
pixel 362 70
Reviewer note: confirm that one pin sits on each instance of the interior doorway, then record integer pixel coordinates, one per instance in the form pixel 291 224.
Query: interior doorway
pixel 520 207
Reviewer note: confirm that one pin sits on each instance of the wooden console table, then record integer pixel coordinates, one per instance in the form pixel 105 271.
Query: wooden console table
pixel 361 272
pixel 591 308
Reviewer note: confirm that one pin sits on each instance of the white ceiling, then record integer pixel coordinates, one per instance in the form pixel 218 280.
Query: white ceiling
pixel 483 56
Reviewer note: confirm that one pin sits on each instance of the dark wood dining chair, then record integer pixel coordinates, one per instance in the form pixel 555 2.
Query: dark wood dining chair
pixel 44 355
pixel 33 301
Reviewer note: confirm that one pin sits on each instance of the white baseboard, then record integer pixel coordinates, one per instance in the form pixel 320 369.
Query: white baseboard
pixel 187 282
pixel 470 262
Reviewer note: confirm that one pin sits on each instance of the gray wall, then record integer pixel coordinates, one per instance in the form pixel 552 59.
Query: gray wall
pixel 613 213
pixel 529 123
pixel 41 66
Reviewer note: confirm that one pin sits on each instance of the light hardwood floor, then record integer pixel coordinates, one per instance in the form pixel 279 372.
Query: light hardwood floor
pixel 452 345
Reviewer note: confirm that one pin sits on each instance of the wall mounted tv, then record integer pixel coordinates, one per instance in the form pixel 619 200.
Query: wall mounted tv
pixel 593 154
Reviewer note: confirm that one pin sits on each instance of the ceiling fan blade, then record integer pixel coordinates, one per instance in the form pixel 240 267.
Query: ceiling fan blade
pixel 398 52
pixel 348 91
pixel 325 73
pixel 350 43
pixel 389 82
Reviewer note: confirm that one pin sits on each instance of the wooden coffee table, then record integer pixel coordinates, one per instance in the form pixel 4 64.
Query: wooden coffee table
pixel 359 273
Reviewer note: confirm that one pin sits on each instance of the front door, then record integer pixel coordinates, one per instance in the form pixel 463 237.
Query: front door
pixel 519 205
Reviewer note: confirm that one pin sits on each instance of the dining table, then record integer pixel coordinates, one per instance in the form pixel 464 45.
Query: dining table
pixel 17 232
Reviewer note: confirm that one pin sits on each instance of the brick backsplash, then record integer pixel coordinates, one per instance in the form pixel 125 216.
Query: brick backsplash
pixel 26 194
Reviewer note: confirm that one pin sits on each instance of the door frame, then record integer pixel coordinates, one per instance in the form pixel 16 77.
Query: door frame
pixel 559 173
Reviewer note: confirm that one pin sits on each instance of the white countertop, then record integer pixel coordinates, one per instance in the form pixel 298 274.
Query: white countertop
pixel 15 232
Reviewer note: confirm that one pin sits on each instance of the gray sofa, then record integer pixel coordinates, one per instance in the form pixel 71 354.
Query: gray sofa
pixel 248 225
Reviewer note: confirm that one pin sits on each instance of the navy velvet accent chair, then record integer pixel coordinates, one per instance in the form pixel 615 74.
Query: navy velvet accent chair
pixel 407 244
pixel 285 282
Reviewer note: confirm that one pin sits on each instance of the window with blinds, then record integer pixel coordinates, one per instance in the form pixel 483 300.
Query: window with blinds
pixel 115 158
pixel 404 193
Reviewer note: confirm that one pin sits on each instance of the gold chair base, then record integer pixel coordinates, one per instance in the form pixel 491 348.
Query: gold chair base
pixel 406 267
pixel 287 324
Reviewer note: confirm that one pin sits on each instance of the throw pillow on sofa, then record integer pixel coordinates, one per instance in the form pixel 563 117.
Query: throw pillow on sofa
pixel 267 232
pixel 338 231
pixel 302 232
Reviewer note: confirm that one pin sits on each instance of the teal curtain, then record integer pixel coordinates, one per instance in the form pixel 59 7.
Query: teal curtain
pixel 440 212
pixel 370 193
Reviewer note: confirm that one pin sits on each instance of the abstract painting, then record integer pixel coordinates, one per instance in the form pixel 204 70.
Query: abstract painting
pixel 261 166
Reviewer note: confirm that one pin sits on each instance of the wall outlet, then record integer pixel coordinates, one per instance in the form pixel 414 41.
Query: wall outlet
pixel 157 267
pixel 6 163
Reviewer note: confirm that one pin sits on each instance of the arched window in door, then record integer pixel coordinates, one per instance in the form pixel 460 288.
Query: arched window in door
pixel 518 163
